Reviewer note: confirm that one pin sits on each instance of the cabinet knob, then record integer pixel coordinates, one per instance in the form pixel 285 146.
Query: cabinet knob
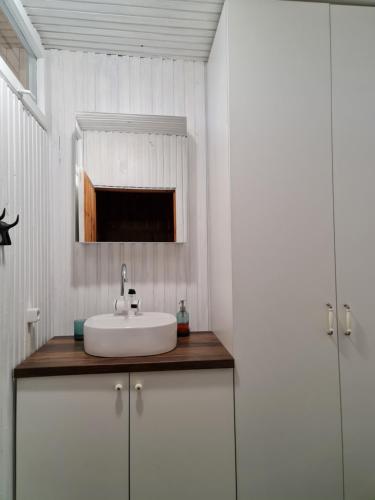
pixel 118 387
pixel 138 387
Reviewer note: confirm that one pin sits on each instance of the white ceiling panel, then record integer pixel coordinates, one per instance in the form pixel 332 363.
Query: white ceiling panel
pixel 170 28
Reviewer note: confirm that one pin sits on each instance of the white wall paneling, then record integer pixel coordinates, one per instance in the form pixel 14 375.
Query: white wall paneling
pixel 25 267
pixel 220 252
pixel 87 276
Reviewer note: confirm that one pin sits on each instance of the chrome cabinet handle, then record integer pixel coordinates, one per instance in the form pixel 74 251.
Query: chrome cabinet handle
pixel 138 387
pixel 348 320
pixel 118 387
pixel 330 320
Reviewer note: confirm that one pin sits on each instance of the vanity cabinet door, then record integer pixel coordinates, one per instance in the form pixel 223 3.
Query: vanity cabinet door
pixel 182 435
pixel 72 438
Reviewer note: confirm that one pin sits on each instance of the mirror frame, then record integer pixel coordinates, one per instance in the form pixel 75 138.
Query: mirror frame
pixel 132 124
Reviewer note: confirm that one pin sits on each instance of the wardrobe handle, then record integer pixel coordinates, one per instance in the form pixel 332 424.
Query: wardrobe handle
pixel 348 320
pixel 330 320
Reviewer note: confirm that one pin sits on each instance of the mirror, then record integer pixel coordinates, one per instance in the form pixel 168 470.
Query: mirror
pixel 131 178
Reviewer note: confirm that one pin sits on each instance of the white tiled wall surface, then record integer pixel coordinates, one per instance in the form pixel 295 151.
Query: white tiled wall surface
pixel 26 265
pixel 86 277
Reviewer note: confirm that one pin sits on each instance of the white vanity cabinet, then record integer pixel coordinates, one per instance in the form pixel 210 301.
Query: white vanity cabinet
pixel 171 437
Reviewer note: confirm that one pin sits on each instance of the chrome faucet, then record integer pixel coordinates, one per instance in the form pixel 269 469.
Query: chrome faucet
pixel 124 278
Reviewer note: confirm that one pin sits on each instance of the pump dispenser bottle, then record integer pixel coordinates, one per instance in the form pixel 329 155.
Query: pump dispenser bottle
pixel 182 316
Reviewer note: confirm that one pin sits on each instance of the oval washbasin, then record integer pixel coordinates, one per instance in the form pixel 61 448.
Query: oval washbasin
pixel 147 333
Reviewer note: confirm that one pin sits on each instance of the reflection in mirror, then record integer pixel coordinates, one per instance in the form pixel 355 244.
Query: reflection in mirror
pixel 130 187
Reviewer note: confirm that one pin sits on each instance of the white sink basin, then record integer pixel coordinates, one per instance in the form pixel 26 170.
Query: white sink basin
pixel 147 333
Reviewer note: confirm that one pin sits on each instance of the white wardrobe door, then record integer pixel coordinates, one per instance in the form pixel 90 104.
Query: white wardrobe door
pixel 353 57
pixel 287 399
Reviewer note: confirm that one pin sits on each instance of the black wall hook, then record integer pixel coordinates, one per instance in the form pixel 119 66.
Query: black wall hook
pixel 4 229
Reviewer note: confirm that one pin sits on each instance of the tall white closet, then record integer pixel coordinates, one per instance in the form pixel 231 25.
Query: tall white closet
pixel 291 114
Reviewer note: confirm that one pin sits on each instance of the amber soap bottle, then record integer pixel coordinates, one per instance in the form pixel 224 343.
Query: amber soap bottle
pixel 182 316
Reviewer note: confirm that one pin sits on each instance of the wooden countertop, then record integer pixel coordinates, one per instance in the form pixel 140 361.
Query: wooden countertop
pixel 65 356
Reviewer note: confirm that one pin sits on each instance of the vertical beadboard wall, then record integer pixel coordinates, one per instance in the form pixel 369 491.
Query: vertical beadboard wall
pixel 219 184
pixel 86 277
pixel 25 266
